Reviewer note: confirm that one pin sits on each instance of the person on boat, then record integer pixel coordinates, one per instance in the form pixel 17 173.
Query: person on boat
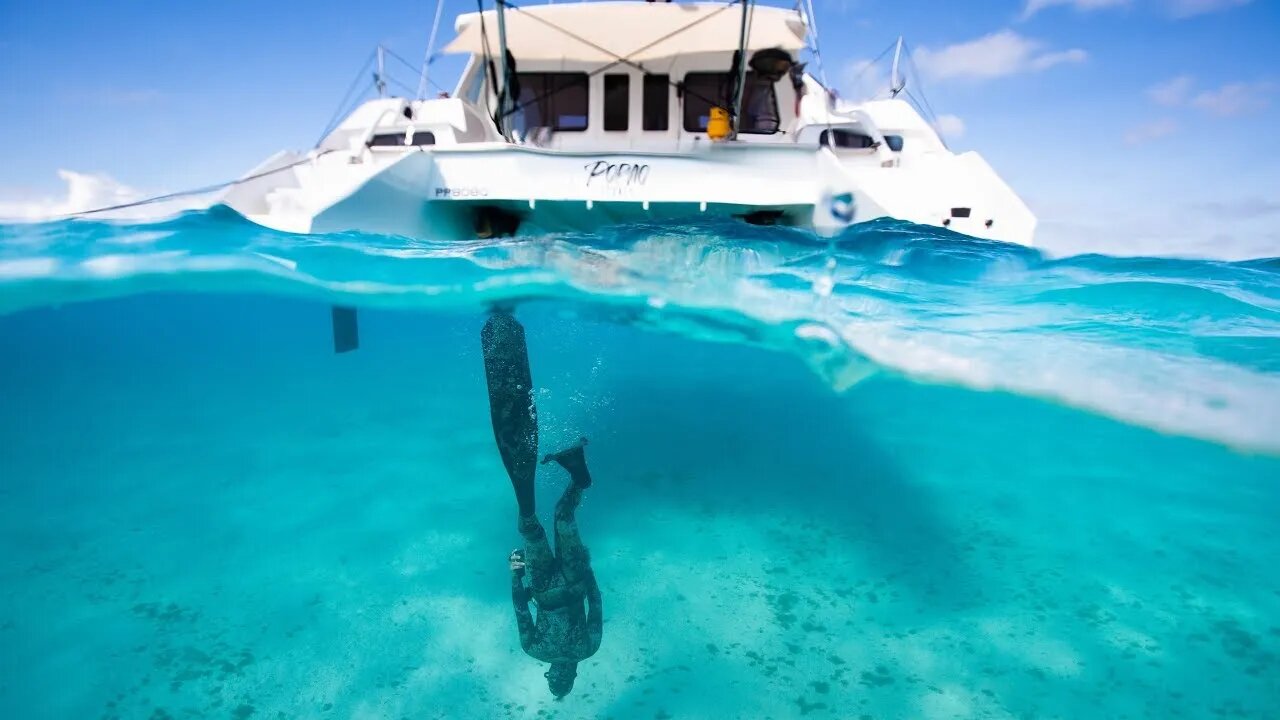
pixel 560 582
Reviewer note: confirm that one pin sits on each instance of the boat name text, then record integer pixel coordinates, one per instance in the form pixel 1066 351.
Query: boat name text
pixel 616 174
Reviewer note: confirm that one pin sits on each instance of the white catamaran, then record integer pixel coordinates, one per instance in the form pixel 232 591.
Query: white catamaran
pixel 575 116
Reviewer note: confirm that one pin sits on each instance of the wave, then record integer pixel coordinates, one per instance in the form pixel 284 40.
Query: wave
pixel 1183 346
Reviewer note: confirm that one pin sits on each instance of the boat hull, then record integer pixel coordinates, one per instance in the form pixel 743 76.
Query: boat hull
pixel 467 191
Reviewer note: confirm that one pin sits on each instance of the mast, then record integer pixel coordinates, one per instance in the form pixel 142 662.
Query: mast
pixel 741 70
pixel 431 47
pixel 380 76
pixel 503 99
pixel 896 83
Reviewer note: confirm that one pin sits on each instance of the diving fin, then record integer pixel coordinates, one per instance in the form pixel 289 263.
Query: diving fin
pixel 562 456
pixel 574 460
pixel 346 329
pixel 511 405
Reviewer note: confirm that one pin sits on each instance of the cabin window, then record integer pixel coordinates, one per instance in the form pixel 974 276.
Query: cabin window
pixel 702 91
pixel 894 142
pixel 393 139
pixel 555 100
pixel 657 102
pixel 617 101
pixel 846 139
pixel 759 106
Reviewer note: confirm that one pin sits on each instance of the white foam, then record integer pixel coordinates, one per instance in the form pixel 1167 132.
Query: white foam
pixel 285 263
pixel 1184 395
pixel 28 268
pixel 120 265
pixel 138 238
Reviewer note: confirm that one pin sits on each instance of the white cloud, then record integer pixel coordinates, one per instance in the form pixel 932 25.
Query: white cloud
pixel 1048 60
pixel 1034 6
pixel 996 55
pixel 1190 8
pixel 1177 9
pixel 84 192
pixel 1150 131
pixel 1171 92
pixel 87 191
pixel 949 126
pixel 1233 98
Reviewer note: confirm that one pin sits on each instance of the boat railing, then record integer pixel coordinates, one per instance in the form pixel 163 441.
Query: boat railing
pixel 395 111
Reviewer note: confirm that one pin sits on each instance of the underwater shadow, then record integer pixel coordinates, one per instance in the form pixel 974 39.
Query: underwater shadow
pixel 792 452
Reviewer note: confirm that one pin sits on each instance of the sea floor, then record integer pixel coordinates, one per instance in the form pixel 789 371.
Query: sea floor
pixel 204 513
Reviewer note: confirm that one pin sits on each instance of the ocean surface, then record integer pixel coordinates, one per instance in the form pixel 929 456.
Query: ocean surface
pixel 902 474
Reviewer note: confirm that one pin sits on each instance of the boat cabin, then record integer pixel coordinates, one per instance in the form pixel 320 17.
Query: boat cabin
pixel 627 75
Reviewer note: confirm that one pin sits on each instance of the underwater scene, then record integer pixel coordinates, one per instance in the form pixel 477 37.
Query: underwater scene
pixel 898 474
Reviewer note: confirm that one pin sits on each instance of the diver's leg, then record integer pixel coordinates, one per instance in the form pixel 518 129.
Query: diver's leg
pixel 538 558
pixel 511 406
pixel 575 561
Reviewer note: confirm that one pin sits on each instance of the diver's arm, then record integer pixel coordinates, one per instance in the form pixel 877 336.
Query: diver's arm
pixel 595 616
pixel 524 619
pixel 520 600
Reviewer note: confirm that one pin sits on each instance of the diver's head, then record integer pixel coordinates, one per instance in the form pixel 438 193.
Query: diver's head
pixel 560 678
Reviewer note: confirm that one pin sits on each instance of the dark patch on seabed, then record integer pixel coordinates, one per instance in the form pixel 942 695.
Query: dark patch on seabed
pixel 205 513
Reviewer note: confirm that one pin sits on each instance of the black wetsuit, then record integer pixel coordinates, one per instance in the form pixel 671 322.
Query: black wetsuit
pixel 558 584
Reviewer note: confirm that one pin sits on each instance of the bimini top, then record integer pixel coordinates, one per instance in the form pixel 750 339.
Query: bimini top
pixel 603 31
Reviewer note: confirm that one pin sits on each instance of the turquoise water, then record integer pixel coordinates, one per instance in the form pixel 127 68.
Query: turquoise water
pixel 907 475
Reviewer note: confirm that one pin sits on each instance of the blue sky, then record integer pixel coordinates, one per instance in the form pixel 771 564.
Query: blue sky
pixel 1129 126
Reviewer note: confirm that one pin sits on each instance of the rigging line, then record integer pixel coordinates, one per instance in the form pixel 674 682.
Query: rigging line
pixel 915 72
pixel 817 49
pixel 871 64
pixel 439 87
pixel 346 98
pixel 400 84
pixel 548 93
pixel 619 58
pixel 400 58
pixel 933 122
pixel 674 33
pixel 740 70
pixel 487 69
pixel 406 63
pixel 925 110
pixel 196 191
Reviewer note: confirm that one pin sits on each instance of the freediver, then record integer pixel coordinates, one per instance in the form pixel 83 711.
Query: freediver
pixel 560 582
